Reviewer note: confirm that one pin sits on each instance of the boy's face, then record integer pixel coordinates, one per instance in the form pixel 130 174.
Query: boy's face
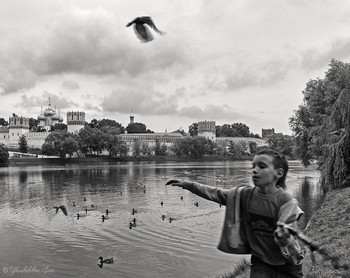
pixel 264 173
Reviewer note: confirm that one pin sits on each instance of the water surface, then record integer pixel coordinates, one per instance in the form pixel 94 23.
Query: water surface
pixel 42 243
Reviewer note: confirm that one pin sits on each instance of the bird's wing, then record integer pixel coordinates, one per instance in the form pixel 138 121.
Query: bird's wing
pixel 64 210
pixel 148 20
pixel 131 22
pixel 143 33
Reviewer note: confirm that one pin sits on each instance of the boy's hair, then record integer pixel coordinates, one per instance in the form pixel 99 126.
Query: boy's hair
pixel 279 161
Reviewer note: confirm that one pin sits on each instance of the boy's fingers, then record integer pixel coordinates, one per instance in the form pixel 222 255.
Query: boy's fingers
pixel 171 182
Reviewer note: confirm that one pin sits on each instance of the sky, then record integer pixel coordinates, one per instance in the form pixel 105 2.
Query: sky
pixel 228 61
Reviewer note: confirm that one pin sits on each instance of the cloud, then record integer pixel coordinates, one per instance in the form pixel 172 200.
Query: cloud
pixel 88 106
pixel 233 78
pixel 217 112
pixel 92 43
pixel 316 58
pixel 144 101
pixel 43 100
pixel 70 85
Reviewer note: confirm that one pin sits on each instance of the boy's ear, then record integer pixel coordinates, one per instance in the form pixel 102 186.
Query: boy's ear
pixel 279 173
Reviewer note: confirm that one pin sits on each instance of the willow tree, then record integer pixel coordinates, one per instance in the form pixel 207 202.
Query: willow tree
pixel 335 160
pixel 311 121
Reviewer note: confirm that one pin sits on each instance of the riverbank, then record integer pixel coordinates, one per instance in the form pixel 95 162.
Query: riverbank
pixel 329 228
pixel 103 159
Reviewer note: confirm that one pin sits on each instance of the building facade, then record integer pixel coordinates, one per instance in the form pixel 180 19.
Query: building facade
pixel 207 129
pixel 18 126
pixel 75 121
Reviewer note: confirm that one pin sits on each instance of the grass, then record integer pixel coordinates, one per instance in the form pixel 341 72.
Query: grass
pixel 329 228
pixel 241 270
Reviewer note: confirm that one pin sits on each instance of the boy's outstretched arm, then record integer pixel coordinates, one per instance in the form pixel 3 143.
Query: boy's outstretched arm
pixel 183 184
pixel 211 193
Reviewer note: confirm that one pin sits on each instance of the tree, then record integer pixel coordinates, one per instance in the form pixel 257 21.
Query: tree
pixel 33 124
pixel 23 145
pixel 241 129
pixel 136 148
pixel 137 128
pixel 281 143
pixel 92 140
pixel 85 139
pixel 48 149
pixel 253 147
pixel 111 142
pixel 334 162
pixel 59 126
pixel 121 149
pixel 238 148
pixel 160 149
pixel 308 122
pixel 146 150
pixel 193 129
pixel 93 123
pixel 70 145
pixel 4 154
pixel 111 123
pixel 321 125
pixel 60 143
pixel 3 122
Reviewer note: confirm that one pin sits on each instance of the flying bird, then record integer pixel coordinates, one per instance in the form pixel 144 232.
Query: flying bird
pixel 63 208
pixel 141 29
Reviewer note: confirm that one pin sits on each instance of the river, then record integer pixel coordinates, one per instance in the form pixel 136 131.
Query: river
pixel 38 242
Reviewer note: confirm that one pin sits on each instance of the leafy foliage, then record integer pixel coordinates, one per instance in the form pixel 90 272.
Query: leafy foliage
pixel 60 143
pixel 234 130
pixel 238 148
pixel 23 145
pixel 160 149
pixel 193 129
pixel 281 143
pixel 137 128
pixel 321 124
pixel 59 126
pixel 4 154
pixel 196 147
pixel 3 122
pixel 33 124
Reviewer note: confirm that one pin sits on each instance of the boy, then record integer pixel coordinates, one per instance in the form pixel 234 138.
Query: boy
pixel 266 212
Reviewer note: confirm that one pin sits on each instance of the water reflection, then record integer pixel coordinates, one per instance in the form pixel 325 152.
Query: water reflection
pixel 309 198
pixel 156 247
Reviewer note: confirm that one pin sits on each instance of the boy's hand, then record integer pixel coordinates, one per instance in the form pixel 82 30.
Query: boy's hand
pixel 282 236
pixel 172 182
pixel 183 184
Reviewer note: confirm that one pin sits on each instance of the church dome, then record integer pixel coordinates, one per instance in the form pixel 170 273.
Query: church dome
pixel 41 117
pixel 49 112
pixel 55 117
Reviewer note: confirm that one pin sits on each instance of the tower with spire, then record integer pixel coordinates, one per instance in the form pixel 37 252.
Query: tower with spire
pixel 49 117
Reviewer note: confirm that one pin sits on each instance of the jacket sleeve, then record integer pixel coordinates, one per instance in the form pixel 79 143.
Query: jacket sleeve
pixel 288 216
pixel 210 193
pixel 289 213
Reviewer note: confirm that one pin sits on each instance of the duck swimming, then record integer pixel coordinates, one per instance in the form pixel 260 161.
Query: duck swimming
pixel 104 218
pixel 106 261
pixel 79 215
